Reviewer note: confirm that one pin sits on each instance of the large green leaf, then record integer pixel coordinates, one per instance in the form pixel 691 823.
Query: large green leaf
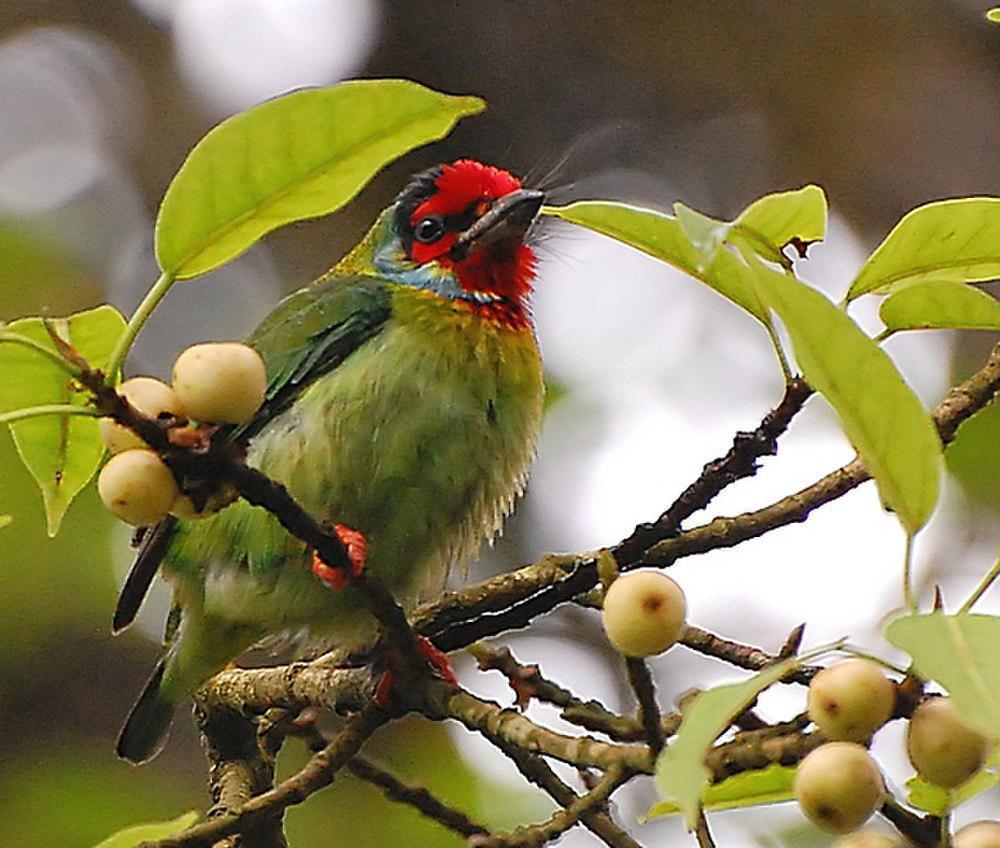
pixel 940 304
pixel 663 237
pixel 974 459
pixel 771 785
pixel 959 652
pixel 937 800
pixel 681 774
pixel 298 156
pixel 881 415
pixel 789 217
pixel 61 451
pixel 136 835
pixel 957 240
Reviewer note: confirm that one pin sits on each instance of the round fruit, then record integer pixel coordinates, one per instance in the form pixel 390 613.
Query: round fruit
pixel 981 834
pixel 137 487
pixel 644 613
pixel 221 383
pixel 838 786
pixel 150 397
pixel 869 839
pixel 851 700
pixel 943 749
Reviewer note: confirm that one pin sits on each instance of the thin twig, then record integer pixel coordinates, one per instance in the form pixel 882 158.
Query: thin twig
pixel 642 685
pixel 702 833
pixel 527 681
pixel 922 831
pixel 415 796
pixel 740 655
pixel 537 835
pixel 537 771
pixel 738 463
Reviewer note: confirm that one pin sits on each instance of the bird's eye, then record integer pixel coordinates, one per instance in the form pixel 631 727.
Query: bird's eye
pixel 428 229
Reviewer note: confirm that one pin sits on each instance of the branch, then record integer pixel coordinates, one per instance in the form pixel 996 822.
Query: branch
pixel 528 682
pixel 537 771
pixel 922 831
pixel 238 770
pixel 536 835
pixel 741 656
pixel 512 600
pixel 317 773
pixel 442 701
pixel 642 685
pixel 740 462
pixel 415 796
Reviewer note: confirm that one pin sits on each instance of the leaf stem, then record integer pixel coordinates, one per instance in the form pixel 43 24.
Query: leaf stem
pixel 786 370
pixel 882 336
pixel 37 347
pixel 136 323
pixel 47 409
pixel 984 584
pixel 908 597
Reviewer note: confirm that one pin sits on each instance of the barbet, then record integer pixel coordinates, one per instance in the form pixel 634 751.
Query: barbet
pixel 404 400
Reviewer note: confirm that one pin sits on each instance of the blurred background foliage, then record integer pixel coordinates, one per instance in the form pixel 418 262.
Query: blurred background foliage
pixel 887 105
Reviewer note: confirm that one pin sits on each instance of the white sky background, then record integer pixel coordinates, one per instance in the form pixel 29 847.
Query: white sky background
pixel 660 371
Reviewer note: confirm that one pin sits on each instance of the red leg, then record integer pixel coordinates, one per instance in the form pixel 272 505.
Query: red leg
pixel 436 659
pixel 356 545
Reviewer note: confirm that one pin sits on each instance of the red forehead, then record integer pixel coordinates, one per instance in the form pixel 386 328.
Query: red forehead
pixel 461 184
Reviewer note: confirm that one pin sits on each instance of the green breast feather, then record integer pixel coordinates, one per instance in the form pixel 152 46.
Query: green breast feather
pixel 392 411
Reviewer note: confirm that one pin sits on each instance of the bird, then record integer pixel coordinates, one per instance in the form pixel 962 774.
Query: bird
pixel 403 406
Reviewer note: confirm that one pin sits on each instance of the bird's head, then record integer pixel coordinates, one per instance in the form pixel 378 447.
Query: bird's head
pixel 459 230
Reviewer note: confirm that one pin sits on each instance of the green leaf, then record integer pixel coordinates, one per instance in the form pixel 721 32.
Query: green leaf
pixel 61 451
pixel 880 414
pixel 959 652
pixel 956 240
pixel 790 217
pixel 663 237
pixel 771 785
pixel 5 520
pixel 993 16
pixel 937 800
pixel 681 774
pixel 137 834
pixel 298 156
pixel 940 304
pixel 973 458
pixel 706 234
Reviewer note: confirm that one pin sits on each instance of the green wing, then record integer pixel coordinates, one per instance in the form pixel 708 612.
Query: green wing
pixel 307 335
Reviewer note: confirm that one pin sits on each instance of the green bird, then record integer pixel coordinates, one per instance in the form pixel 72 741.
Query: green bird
pixel 403 405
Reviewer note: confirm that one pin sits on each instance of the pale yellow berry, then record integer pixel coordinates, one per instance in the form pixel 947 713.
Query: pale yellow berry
pixel 644 613
pixel 851 700
pixel 981 834
pixel 137 487
pixel 942 747
pixel 838 786
pixel 869 839
pixel 220 383
pixel 148 396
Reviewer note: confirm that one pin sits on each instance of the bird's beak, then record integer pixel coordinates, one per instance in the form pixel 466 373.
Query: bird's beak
pixel 509 217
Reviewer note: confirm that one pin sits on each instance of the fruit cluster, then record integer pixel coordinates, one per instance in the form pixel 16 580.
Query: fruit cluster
pixel 213 383
pixel 838 785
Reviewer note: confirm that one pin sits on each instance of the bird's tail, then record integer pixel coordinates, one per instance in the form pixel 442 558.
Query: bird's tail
pixel 148 723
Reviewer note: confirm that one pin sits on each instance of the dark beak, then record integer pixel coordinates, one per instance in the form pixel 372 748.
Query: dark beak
pixel 509 217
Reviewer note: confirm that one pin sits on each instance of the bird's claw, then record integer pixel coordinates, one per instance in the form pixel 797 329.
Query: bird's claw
pixel 436 659
pixel 356 545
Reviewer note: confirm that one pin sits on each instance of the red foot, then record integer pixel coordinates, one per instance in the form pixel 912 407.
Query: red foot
pixel 357 552
pixel 436 659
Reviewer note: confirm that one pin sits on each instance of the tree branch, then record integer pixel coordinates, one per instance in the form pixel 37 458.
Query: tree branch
pixel 317 773
pixel 536 835
pixel 642 685
pixel 415 796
